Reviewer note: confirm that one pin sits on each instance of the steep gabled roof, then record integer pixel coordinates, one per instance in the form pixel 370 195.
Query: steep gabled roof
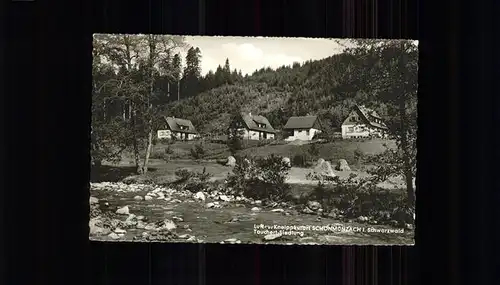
pixel 369 116
pixel 175 125
pixel 303 122
pixel 251 122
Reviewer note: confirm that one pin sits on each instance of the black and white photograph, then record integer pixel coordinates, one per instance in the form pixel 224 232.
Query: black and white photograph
pixel 253 140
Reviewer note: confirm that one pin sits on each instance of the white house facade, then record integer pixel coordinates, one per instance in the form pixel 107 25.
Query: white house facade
pixel 302 128
pixel 176 128
pixel 363 122
pixel 253 127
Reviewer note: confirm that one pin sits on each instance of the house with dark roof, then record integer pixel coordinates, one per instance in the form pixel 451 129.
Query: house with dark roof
pixel 177 128
pixel 302 128
pixel 363 122
pixel 252 127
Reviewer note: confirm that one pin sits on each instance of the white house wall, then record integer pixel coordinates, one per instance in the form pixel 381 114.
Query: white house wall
pixel 254 135
pixel 360 131
pixel 303 135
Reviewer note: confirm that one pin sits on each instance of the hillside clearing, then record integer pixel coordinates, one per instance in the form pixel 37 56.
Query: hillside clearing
pixel 342 149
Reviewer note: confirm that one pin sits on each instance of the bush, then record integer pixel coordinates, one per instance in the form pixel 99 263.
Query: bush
pixel 359 156
pixel 353 198
pixel 169 150
pixel 260 178
pixel 301 160
pixel 156 155
pixel 197 151
pixel 183 174
pixel 313 150
pixel 192 180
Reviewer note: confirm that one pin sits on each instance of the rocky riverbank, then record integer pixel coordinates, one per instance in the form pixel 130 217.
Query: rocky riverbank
pixel 142 212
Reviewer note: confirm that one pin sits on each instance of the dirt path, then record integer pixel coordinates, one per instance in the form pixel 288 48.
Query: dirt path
pixel 237 221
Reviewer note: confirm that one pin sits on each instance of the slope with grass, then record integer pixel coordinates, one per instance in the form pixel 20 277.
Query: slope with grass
pixel 342 149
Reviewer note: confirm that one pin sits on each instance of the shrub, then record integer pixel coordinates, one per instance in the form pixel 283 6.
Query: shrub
pixel 234 145
pixel 183 174
pixel 260 178
pixel 192 180
pixel 324 195
pixel 301 160
pixel 197 151
pixel 169 150
pixel 321 136
pixel 359 156
pixel 353 198
pixel 156 155
pixel 313 150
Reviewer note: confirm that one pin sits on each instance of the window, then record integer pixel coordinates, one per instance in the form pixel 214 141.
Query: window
pixel 307 132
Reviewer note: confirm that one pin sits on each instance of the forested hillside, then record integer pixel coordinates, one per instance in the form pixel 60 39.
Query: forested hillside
pixel 327 87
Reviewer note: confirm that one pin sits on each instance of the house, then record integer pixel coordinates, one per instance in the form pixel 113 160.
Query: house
pixel 177 128
pixel 363 122
pixel 302 128
pixel 252 127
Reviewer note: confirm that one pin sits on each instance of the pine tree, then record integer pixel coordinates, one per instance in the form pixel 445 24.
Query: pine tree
pixel 227 72
pixel 192 72
pixel 176 72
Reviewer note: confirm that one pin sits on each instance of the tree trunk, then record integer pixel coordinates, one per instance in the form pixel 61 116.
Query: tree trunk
pixel 124 109
pixel 104 110
pixel 406 155
pixel 148 151
pixel 149 105
pixel 135 145
pixel 408 173
pixel 129 105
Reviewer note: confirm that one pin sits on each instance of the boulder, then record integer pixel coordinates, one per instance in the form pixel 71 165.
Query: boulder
pixel 138 198
pixel 200 196
pixel 342 165
pixel 287 161
pixel 120 231
pixel 93 200
pixel 306 210
pixel 177 219
pixel 324 169
pixel 168 225
pixel 313 205
pixel 123 211
pixel 148 198
pixel 95 227
pixel 277 210
pixel 231 161
pixel 131 217
pixel 363 219
pixel 114 236
pixel 224 198
pixel 255 209
pixel 140 225
pixel 272 236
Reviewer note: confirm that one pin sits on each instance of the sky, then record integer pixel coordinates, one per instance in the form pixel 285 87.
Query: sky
pixel 251 53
